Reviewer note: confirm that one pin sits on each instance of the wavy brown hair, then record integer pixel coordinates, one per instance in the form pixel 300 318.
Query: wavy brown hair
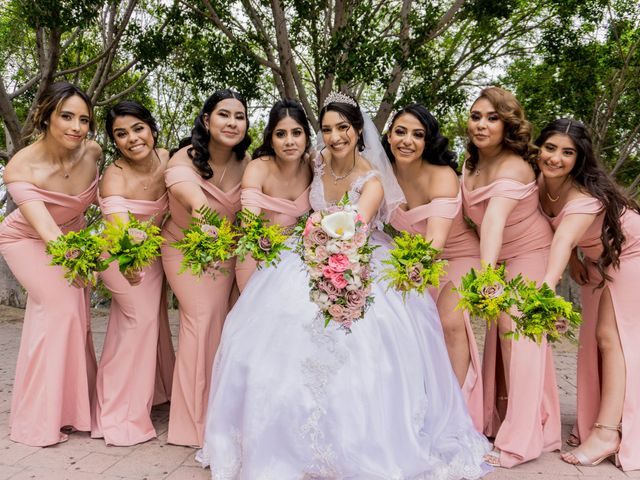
pixel 52 100
pixel 590 176
pixel 517 129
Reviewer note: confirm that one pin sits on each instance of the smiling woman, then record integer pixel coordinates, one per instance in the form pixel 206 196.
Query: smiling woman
pixel 52 181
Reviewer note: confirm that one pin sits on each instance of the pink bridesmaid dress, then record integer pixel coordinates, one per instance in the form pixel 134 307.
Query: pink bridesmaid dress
pixel 624 297
pixel 204 303
pixel 532 421
pixel 56 366
pixel 462 251
pixel 125 386
pixel 280 211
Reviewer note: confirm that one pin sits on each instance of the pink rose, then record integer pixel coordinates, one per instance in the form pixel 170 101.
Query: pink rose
pixel 328 287
pixel 72 253
pixel 361 224
pixel 137 236
pixel 353 313
pixel 339 262
pixel 265 244
pixel 562 325
pixel 338 280
pixel 318 236
pixel 308 227
pixel 210 230
pixel 360 238
pixel 492 291
pixel 335 311
pixel 355 299
pixel 327 271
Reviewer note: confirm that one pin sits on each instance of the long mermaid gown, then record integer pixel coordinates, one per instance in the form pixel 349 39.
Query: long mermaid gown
pixel 203 306
pixel 624 297
pixel 56 367
pixel 126 382
pixel 532 421
pixel 462 252
pixel 291 399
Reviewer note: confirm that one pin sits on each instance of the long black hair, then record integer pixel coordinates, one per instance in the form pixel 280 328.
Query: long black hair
pixel 134 109
pixel 350 113
pixel 436 146
pixel 591 177
pixel 282 109
pixel 200 136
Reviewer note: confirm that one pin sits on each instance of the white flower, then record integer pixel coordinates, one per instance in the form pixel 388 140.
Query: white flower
pixel 340 225
pixel 333 247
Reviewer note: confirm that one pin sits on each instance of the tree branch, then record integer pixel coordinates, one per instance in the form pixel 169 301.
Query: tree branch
pixel 124 92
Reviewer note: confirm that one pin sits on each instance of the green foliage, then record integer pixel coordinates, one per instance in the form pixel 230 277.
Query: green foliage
pixel 264 243
pixel 413 264
pixel 486 293
pixel 134 244
pixel 208 242
pixel 543 314
pixel 79 253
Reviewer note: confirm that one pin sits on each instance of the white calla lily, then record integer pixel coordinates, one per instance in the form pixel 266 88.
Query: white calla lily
pixel 340 225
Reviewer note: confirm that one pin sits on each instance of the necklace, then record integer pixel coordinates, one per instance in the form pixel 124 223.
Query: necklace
pixel 553 199
pixel 223 172
pixel 337 178
pixel 66 173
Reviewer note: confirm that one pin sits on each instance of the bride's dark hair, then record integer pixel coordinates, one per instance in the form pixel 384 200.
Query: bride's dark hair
pixel 280 110
pixel 591 177
pixel 350 113
pixel 436 146
pixel 200 136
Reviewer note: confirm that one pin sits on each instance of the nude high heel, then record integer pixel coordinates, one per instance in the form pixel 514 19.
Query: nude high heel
pixel 583 461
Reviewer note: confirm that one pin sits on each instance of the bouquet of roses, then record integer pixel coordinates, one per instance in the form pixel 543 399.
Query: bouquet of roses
pixel 207 243
pixel 264 243
pixel 486 293
pixel 133 244
pixel 336 250
pixel 79 253
pixel 413 264
pixel 543 313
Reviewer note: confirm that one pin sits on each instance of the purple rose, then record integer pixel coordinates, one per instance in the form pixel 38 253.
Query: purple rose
pixel 265 244
pixel 318 236
pixel 355 299
pixel 210 230
pixel 562 325
pixel 137 236
pixel 492 291
pixel 328 287
pixel 72 253
pixel 414 273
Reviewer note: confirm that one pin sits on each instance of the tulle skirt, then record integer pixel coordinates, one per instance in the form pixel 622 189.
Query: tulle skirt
pixel 291 399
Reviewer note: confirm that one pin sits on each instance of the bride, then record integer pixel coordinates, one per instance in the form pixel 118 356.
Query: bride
pixel 291 399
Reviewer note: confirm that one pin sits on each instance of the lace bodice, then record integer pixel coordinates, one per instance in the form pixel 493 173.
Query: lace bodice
pixel 316 194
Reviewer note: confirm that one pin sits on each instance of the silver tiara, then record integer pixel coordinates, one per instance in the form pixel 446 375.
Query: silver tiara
pixel 339 97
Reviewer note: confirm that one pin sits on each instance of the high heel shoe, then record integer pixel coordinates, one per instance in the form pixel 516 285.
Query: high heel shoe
pixel 583 461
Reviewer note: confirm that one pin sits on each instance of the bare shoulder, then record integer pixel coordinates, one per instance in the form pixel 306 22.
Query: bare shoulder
pixel 163 155
pixel 516 168
pixel 575 193
pixel 181 157
pixel 113 181
pixel 93 150
pixel 255 172
pixel 18 168
pixel 443 182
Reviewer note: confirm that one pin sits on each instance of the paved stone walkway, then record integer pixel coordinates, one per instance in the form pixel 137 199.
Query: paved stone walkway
pixel 82 458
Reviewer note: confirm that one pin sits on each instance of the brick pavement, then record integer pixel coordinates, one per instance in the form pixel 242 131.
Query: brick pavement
pixel 82 458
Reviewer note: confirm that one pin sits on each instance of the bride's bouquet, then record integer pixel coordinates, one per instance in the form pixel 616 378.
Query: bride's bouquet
pixel 542 313
pixel 337 253
pixel 79 253
pixel 207 243
pixel 133 244
pixel 413 264
pixel 263 242
pixel 486 293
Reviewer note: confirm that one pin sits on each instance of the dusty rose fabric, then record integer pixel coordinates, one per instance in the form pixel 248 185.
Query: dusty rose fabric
pixel 203 306
pixel 462 251
pixel 532 421
pixel 132 362
pixel 56 365
pixel 624 296
pixel 279 211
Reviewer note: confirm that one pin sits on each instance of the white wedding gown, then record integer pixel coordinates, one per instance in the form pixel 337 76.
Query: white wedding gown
pixel 291 399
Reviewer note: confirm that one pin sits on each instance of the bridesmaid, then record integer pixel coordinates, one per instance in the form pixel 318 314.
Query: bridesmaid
pixel 133 183
pixel 521 405
pixel 586 209
pixel 52 181
pixel 206 173
pixel 277 181
pixel 425 170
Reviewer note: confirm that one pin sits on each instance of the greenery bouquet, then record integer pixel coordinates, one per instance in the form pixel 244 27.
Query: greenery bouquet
pixel 263 242
pixel 79 253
